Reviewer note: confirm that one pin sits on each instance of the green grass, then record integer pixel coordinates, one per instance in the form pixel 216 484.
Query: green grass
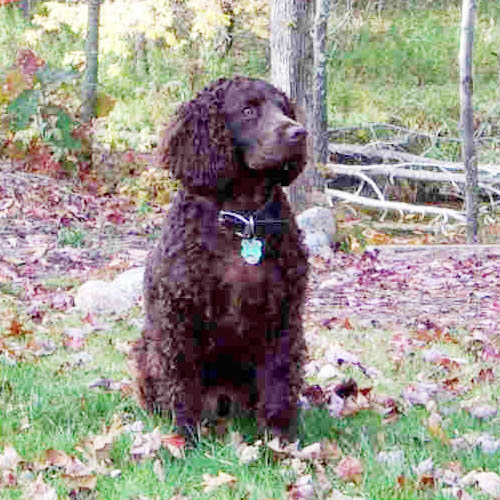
pixel 45 403
pixel 402 68
pixel 71 236
pixel 57 282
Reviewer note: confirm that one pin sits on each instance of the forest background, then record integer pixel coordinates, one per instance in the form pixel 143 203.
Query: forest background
pixel 389 63
pixel 403 374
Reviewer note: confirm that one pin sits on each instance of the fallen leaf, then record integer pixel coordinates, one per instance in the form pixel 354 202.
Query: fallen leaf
pixel 175 444
pixel 336 405
pixel 338 495
pixel 484 375
pixel 420 393
pixel 349 469
pixel 56 458
pixel 9 459
pixel 41 348
pixel 489 482
pixel 482 411
pixel 311 452
pixel 487 443
pixel 8 479
pixel 346 388
pixel 435 427
pixel 457 492
pixel 145 445
pixel 74 338
pixel 330 450
pixel 158 470
pixel 425 467
pixel 16 329
pixel 38 490
pixel 246 453
pixel 303 488
pixel 211 483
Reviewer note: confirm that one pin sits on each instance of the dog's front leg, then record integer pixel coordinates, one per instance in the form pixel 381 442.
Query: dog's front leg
pixel 277 410
pixel 187 400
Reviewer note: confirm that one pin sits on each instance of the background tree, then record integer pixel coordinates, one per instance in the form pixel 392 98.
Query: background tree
pixel 320 121
pixel 292 62
pixel 89 90
pixel 141 59
pixel 27 7
pixel 467 117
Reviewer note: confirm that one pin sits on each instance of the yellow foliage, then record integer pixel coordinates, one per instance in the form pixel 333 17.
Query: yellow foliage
pixel 208 18
pixel 13 84
pixel 114 70
pixel 104 105
pixel 154 184
pixel 32 36
pixel 74 16
pixel 118 20
pixel 256 14
pixel 75 58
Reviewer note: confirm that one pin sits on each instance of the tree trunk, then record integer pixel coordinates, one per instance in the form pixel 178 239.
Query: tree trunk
pixel 141 59
pixel 27 7
pixel 227 32
pixel 320 121
pixel 498 64
pixel 467 118
pixel 89 90
pixel 292 62
pixel 287 48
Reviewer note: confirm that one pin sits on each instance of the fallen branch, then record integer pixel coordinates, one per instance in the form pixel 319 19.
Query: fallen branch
pixel 369 154
pixel 396 205
pixel 394 170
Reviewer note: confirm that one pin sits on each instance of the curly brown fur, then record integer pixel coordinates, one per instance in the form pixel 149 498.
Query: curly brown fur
pixel 219 328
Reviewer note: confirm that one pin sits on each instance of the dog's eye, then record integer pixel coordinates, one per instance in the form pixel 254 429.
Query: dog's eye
pixel 249 112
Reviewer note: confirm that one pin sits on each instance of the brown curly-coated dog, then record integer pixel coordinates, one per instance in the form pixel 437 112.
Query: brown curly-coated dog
pixel 224 288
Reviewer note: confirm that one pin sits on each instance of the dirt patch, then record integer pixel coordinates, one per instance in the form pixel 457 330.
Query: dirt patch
pixel 401 288
pixel 395 287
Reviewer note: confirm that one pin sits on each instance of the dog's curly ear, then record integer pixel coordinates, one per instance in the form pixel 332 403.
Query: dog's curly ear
pixel 196 147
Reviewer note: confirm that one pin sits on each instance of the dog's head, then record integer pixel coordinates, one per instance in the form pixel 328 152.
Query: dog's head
pixel 233 125
pixel 264 130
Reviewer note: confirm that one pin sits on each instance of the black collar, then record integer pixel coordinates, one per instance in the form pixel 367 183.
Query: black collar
pixel 255 223
pixel 251 224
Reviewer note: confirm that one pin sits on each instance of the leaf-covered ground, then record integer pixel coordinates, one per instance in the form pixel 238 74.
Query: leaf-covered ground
pixel 403 394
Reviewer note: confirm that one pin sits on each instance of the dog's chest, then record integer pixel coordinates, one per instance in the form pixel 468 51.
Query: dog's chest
pixel 236 271
pixel 246 287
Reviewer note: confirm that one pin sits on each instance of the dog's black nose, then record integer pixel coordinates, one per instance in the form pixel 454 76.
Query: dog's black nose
pixel 296 133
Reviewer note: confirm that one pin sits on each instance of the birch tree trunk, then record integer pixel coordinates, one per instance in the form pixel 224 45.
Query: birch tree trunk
pixel 89 89
pixel 466 118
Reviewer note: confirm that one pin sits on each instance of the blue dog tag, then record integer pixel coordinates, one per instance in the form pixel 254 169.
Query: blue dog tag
pixel 251 250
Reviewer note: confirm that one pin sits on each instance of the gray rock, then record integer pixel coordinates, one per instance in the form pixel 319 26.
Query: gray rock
pixel 107 297
pixel 131 282
pixel 318 224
